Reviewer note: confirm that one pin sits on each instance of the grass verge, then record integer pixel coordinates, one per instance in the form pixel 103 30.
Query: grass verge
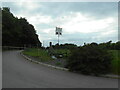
pixel 40 53
pixel 44 56
pixel 64 52
pixel 116 61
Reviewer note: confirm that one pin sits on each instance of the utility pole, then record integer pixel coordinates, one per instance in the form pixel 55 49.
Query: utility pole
pixel 43 43
pixel 58 39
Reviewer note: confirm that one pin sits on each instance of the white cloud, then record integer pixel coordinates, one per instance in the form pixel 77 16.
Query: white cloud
pixel 40 19
pixel 109 33
pixel 49 31
pixel 77 22
pixel 27 5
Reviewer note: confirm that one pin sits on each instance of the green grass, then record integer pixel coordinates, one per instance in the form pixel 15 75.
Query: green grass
pixel 116 61
pixel 58 63
pixel 64 52
pixel 40 53
pixel 44 56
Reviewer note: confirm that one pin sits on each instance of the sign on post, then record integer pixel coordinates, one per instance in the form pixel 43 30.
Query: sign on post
pixel 58 32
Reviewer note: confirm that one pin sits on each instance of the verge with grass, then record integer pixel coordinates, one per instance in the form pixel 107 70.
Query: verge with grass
pixel 44 56
pixel 115 61
pixel 64 52
pixel 39 53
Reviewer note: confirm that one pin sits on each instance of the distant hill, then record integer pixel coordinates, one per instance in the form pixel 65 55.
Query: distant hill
pixel 17 32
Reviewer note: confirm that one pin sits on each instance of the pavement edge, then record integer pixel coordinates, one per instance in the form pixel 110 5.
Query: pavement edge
pixel 64 69
pixel 48 65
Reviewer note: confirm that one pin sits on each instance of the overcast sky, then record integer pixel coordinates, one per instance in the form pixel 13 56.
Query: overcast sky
pixel 80 21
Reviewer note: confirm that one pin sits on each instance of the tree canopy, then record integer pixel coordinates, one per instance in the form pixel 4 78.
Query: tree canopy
pixel 17 32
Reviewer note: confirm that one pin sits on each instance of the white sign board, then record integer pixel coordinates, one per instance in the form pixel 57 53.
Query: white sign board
pixel 58 31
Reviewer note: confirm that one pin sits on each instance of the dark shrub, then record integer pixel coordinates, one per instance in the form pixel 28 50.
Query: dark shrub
pixel 90 59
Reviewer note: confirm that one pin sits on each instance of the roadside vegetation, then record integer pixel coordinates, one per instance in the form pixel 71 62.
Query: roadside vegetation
pixel 93 59
pixel 65 53
pixel 42 54
pixel 115 61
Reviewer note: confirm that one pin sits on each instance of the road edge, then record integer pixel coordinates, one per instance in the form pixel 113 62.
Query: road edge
pixel 48 65
pixel 64 69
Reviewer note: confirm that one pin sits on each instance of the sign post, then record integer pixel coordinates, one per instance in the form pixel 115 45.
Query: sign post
pixel 58 32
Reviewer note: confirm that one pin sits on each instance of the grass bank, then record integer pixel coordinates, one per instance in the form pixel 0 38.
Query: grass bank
pixel 39 53
pixel 45 57
pixel 115 61
pixel 64 52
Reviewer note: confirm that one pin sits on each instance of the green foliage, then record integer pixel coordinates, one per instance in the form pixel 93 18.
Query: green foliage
pixel 117 46
pixel 90 59
pixel 17 32
pixel 110 46
pixel 64 52
pixel 58 63
pixel 40 53
pixel 64 46
pixel 115 61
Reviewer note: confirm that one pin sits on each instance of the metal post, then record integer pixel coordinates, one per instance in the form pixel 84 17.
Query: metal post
pixel 58 39
pixel 43 43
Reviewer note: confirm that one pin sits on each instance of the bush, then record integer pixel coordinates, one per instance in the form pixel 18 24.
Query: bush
pixel 90 59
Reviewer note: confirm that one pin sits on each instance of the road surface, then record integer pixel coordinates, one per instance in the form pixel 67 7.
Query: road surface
pixel 20 73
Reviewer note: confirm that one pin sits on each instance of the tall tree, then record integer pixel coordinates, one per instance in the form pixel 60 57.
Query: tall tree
pixel 17 32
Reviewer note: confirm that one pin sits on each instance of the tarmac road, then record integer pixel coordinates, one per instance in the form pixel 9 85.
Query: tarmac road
pixel 20 73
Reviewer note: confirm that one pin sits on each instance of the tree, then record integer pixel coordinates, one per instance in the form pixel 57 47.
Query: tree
pixel 117 45
pixel 17 32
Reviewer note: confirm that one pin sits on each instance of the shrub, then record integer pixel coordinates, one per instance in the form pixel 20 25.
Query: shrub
pixel 90 59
